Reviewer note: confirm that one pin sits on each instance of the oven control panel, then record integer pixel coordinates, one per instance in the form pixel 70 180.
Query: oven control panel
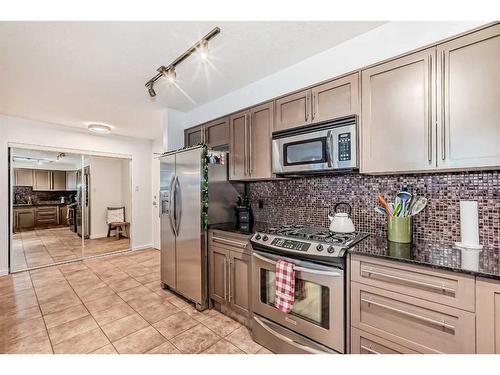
pixel 290 244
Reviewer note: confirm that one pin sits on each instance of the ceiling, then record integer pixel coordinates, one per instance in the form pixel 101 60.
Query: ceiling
pixel 74 73
pixel 40 159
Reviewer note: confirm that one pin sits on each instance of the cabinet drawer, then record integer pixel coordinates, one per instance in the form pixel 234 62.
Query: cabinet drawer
pixel 447 288
pixel 49 209
pixel 230 241
pixel 366 343
pixel 417 324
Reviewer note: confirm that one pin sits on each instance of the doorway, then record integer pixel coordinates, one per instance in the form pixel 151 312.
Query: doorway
pixel 67 206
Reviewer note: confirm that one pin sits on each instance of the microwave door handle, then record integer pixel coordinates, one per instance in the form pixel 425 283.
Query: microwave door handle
pixel 329 149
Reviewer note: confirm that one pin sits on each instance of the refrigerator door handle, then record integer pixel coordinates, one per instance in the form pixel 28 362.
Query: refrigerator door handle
pixel 171 213
pixel 178 205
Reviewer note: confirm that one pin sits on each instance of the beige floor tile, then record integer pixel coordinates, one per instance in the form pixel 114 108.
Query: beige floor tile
pixel 179 302
pixel 149 277
pixel 160 311
pixel 37 343
pixel 139 342
pixel 223 347
pixel 123 284
pixel 145 301
pixel 101 290
pixel 137 292
pixel 195 340
pixel 124 327
pixel 107 349
pixel 84 342
pixel 67 330
pixel 242 339
pixel 200 315
pixel 59 304
pixel 64 316
pixel 165 348
pixel 104 303
pixel 175 324
pixel 264 351
pixel 22 329
pixel 221 324
pixel 113 313
pixel 18 316
pixel 22 300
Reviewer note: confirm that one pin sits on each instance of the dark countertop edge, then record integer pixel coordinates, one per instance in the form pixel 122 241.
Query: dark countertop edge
pixel 353 251
pixel 22 205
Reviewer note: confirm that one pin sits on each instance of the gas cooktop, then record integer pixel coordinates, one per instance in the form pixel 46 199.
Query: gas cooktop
pixel 314 242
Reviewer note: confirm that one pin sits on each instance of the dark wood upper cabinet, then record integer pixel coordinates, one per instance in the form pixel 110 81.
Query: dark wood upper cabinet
pixel 336 98
pixel 217 132
pixel 238 146
pixel 193 136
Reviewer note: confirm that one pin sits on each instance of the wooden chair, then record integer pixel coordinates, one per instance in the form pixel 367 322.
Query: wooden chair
pixel 116 221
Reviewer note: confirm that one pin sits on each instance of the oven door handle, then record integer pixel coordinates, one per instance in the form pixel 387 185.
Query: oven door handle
pixel 329 148
pixel 300 269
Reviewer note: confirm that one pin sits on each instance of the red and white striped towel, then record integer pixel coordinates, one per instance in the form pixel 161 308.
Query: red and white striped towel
pixel 284 282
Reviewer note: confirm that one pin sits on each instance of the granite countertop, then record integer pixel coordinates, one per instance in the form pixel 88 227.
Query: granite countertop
pixel 436 254
pixel 231 227
pixel 54 203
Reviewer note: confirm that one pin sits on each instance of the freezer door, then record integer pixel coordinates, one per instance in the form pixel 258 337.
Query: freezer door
pixel 191 259
pixel 167 233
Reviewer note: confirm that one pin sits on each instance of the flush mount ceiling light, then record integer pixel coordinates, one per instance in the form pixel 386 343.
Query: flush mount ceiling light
pixel 201 47
pixel 99 128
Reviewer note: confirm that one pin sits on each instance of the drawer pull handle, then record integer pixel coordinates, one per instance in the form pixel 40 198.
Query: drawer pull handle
pixel 369 350
pixel 229 242
pixel 442 324
pixel 421 283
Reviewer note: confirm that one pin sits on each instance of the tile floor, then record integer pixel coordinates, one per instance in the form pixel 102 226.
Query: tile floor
pixel 109 305
pixel 41 247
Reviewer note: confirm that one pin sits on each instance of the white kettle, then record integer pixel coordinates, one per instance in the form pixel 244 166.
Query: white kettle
pixel 341 222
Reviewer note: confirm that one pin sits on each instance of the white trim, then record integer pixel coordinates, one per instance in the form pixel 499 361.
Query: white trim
pixel 4 272
pixel 143 247
pixel 69 150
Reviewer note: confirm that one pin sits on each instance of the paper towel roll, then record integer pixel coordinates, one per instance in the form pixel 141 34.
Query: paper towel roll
pixel 469 223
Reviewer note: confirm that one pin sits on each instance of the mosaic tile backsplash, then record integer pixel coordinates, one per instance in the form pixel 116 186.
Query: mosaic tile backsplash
pixel 23 192
pixel 308 200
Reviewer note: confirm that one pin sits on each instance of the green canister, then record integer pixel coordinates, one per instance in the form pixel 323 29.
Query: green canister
pixel 399 229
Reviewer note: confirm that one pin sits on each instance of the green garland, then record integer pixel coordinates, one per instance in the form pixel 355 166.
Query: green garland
pixel 204 188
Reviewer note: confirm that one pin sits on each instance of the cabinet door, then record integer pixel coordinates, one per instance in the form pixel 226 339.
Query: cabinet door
pixel 238 146
pixel 63 210
pixel 25 218
pixel 217 132
pixel 23 177
pixel 366 343
pixel 488 316
pixel 71 180
pixel 336 98
pixel 259 148
pixel 239 287
pixel 397 115
pixel 58 180
pixel 293 110
pixel 193 136
pixel 469 97
pixel 42 180
pixel 219 278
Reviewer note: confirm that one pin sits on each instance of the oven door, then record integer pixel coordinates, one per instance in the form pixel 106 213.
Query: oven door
pixel 318 311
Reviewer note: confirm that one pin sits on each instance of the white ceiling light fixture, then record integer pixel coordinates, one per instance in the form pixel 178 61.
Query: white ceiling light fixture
pixel 99 128
pixel 201 47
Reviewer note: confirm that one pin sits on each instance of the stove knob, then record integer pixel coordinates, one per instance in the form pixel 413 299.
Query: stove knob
pixel 330 249
pixel 319 247
pixel 258 236
pixel 265 238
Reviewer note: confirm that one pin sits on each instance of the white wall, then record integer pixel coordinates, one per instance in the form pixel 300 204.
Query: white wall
pixel 109 187
pixel 386 41
pixel 37 133
pixel 155 184
pixel 173 129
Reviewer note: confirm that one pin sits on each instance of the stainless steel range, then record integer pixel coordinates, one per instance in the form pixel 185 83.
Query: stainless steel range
pixel 316 323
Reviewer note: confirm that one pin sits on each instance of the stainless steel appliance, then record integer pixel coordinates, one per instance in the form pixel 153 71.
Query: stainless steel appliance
pixel 326 147
pixel 317 321
pixel 183 230
pixel 83 204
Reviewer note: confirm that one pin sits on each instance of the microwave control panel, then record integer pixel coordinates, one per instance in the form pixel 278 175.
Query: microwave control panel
pixel 344 143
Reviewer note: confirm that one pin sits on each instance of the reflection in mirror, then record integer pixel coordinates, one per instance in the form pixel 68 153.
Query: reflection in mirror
pixel 44 187
pixel 105 205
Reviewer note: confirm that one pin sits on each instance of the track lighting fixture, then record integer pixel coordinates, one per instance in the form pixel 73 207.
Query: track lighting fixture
pixel 201 47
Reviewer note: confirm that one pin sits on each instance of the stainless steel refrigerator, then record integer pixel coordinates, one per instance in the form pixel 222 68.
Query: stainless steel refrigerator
pixel 183 228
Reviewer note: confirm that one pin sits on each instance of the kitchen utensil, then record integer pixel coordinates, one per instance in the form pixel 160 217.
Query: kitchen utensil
pixel 404 197
pixel 381 210
pixel 418 205
pixel 341 222
pixel 384 204
pixel 397 209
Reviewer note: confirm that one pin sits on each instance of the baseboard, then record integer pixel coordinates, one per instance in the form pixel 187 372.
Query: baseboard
pixel 4 272
pixel 143 247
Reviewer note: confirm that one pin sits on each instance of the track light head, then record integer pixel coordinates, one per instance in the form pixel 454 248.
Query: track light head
pixel 203 50
pixel 151 90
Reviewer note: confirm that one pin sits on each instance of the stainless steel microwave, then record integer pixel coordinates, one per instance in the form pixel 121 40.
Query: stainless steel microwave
pixel 326 147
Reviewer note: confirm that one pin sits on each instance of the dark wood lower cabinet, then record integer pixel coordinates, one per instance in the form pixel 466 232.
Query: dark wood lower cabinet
pixel 229 272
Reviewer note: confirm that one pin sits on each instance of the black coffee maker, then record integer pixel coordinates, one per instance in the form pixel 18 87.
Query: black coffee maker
pixel 244 217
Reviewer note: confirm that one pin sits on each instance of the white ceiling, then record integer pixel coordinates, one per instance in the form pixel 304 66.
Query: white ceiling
pixel 46 159
pixel 72 73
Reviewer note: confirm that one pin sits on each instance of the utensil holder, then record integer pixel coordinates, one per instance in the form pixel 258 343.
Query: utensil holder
pixel 399 229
